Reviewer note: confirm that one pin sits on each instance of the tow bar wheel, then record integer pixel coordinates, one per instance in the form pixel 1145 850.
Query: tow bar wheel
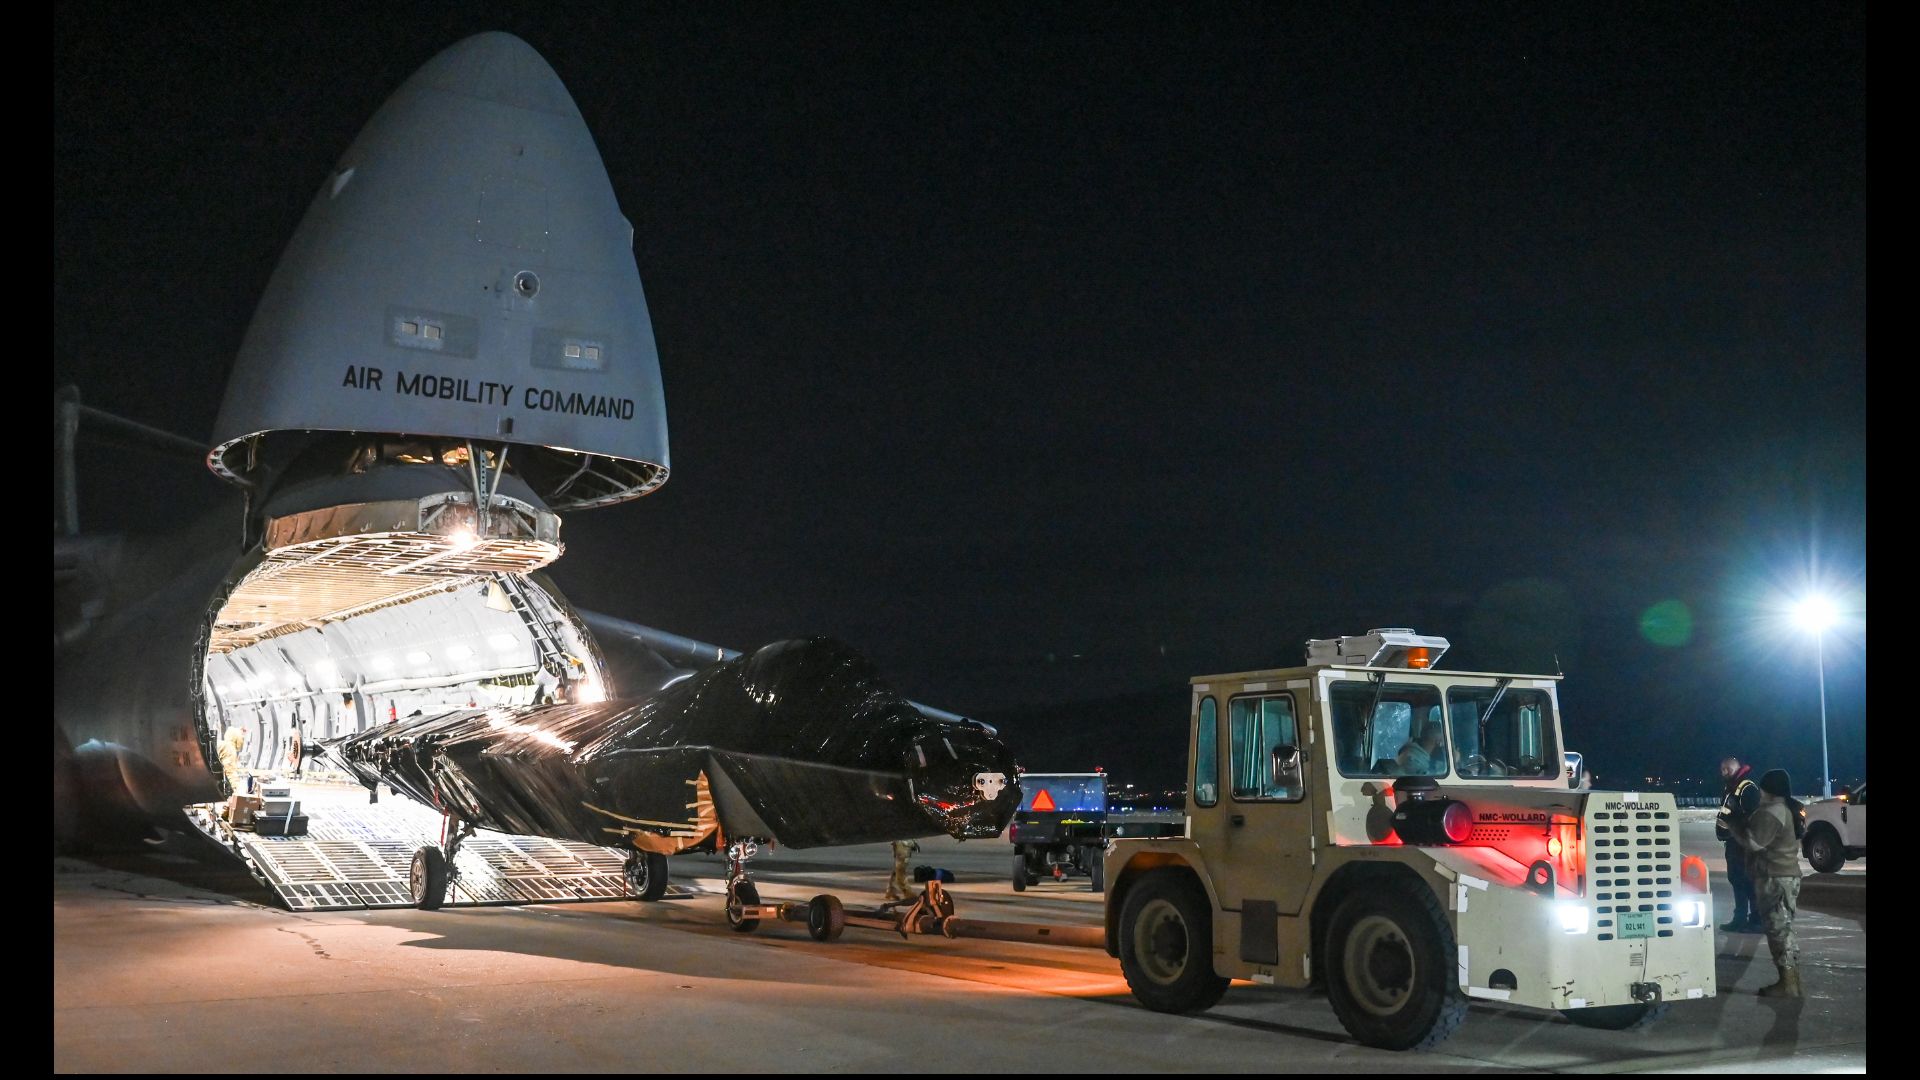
pixel 826 918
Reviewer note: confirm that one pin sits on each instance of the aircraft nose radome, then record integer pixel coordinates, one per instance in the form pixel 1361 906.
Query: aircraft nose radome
pixel 500 68
pixel 465 273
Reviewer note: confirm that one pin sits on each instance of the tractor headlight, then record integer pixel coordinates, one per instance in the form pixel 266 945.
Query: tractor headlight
pixel 1433 821
pixel 1573 917
pixel 1691 912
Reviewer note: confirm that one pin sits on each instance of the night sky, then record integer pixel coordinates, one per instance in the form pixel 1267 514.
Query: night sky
pixel 1065 353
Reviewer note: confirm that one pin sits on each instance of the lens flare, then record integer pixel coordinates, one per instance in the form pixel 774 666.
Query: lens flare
pixel 1668 623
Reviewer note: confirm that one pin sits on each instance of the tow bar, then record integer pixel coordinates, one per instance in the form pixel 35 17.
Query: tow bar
pixel 929 913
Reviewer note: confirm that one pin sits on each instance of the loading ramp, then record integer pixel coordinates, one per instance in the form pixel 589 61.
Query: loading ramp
pixel 358 855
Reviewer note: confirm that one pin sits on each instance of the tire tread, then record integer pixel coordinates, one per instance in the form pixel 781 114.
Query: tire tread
pixel 1453 1006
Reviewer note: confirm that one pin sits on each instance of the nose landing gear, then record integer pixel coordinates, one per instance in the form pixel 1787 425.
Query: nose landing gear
pixel 743 899
pixel 434 874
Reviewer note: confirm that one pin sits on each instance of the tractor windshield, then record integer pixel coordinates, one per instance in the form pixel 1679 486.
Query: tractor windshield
pixel 1498 733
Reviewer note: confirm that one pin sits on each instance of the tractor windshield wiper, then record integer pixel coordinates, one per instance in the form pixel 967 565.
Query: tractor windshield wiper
pixel 1486 714
pixel 1366 719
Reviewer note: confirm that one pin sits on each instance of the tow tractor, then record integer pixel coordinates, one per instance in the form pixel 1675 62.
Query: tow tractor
pixel 1406 839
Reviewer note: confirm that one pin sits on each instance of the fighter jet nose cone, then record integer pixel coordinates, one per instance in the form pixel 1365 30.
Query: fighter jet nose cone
pixel 963 780
pixel 500 68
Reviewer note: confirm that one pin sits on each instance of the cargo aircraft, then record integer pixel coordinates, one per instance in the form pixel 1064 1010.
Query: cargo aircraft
pixel 453 352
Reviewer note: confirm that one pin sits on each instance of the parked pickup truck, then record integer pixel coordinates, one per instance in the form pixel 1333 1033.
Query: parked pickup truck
pixel 1837 830
pixel 1064 823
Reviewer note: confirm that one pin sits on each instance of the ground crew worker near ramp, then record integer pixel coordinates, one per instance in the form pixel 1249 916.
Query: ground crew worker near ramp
pixel 898 886
pixel 232 745
pixel 1773 859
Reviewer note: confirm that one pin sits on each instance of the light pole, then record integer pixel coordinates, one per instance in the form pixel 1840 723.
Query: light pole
pixel 1816 613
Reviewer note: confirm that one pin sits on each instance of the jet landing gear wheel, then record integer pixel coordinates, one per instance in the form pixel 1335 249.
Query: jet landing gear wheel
pixel 427 879
pixel 646 874
pixel 742 894
pixel 1391 972
pixel 1166 944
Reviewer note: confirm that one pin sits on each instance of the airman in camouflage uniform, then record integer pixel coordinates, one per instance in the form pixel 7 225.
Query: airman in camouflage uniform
pixel 898 888
pixel 233 747
pixel 1774 861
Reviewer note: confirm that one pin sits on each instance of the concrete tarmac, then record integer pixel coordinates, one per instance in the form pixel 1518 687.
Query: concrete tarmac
pixel 173 960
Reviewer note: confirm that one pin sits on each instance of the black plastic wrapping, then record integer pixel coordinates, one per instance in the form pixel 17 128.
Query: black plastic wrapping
pixel 798 743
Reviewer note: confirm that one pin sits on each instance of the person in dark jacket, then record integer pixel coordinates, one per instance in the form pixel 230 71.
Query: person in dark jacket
pixel 1739 797
pixel 1773 858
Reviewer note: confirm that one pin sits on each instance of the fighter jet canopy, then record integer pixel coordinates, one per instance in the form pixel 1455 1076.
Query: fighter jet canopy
pixel 463 273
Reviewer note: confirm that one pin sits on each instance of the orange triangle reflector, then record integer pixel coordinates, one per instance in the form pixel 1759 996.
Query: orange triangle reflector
pixel 1042 802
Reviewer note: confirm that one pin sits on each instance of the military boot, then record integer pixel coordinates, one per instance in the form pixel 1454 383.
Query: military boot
pixel 1787 987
